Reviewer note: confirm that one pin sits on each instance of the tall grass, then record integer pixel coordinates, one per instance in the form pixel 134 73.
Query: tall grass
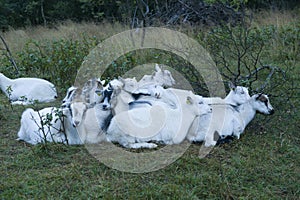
pixel 67 30
pixel 275 17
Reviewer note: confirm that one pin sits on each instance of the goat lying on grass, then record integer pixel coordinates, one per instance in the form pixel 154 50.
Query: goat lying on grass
pixel 142 115
pixel 27 90
pixel 55 124
pixel 159 77
pixel 207 127
pixel 135 128
pixel 90 120
pixel 124 91
pixel 259 103
pixel 118 94
pixel 227 120
pixel 236 96
pixel 47 125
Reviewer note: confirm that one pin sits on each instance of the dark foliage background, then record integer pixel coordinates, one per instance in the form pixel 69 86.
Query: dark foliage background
pixel 21 13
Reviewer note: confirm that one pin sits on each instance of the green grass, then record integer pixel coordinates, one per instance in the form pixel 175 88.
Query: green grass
pixel 263 164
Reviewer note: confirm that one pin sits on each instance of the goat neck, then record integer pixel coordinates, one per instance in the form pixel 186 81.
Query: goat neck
pixel 229 99
pixel 247 111
pixel 69 130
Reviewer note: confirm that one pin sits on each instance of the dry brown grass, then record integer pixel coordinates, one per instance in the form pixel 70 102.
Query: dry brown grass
pixel 278 18
pixel 16 39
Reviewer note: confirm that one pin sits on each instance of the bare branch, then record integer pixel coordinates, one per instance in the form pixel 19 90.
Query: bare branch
pixel 147 9
pixel 9 56
pixel 272 69
pixel 42 12
pixel 134 18
pixel 189 7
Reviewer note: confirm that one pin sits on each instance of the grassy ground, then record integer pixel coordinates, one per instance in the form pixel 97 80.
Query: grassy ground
pixel 263 164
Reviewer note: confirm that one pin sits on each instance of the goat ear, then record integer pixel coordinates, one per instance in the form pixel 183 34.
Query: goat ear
pixel 73 93
pixel 157 68
pixel 99 84
pixel 152 75
pixel 231 85
pixel 110 86
pixel 189 100
pixel 262 98
pixel 121 79
pixel 102 82
pixel 258 96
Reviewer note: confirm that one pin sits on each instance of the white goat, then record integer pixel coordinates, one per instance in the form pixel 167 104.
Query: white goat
pixel 122 98
pixel 159 77
pixel 27 90
pixel 243 115
pixel 127 90
pixel 89 91
pixel 69 95
pixel 221 109
pixel 227 120
pixel 236 96
pixel 90 120
pixel 135 128
pixel 127 84
pixel 118 94
pixel 86 113
pixel 47 125
pixel 206 127
pixel 164 95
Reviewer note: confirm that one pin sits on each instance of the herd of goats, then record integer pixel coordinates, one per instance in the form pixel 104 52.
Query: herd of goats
pixel 134 114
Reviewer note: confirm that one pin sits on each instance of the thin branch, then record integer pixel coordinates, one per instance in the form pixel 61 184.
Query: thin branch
pixel 42 12
pixel 134 18
pixel 272 69
pixel 189 7
pixel 10 57
pixel 147 9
